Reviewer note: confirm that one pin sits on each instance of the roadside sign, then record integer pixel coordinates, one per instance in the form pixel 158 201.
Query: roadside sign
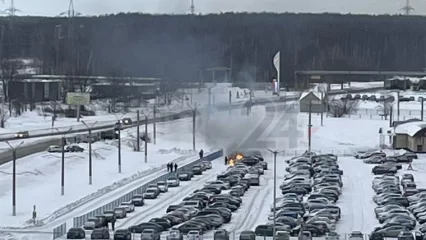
pixel 76 98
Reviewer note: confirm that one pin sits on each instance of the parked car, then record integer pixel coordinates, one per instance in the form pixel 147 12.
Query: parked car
pixel 120 212
pixel 150 234
pixel 122 234
pixel 76 233
pixel 173 182
pixel 163 186
pixel 151 193
pixel 128 206
pixel 101 233
pixel 138 200
pixel 74 148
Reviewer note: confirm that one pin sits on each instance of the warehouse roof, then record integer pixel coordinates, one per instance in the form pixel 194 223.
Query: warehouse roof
pixel 410 128
pixel 315 93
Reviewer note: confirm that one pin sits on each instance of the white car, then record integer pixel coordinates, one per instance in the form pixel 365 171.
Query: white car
pixel 54 149
pixel 162 185
pixel 208 164
pixel 332 236
pixel 128 206
pixel 194 235
pixel 356 235
pixel 222 184
pixel 173 182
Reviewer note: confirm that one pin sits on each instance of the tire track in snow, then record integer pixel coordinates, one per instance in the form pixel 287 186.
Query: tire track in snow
pixel 157 207
pixel 248 219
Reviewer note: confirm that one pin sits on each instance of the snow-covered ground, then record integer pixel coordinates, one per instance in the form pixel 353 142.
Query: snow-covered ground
pixel 38 176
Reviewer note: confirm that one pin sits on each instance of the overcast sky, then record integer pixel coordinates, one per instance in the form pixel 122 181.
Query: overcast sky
pixel 97 7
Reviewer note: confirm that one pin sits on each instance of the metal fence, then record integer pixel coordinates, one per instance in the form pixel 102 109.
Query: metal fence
pixel 60 230
pixel 79 221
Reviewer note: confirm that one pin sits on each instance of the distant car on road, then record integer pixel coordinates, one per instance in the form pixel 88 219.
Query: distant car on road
pixel 54 149
pixel 162 185
pixel 22 134
pixel 151 193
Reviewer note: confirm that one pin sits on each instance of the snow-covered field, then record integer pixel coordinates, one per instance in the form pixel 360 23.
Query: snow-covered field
pixel 38 176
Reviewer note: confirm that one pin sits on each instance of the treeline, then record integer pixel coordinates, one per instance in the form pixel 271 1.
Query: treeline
pixel 179 46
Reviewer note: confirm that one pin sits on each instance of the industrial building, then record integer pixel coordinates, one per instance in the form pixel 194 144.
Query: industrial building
pixel 313 100
pixel 410 135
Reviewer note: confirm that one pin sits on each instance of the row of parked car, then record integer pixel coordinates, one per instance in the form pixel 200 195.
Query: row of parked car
pixel 98 225
pixel 382 98
pixel 393 211
pixel 385 164
pixel 316 178
pixel 211 206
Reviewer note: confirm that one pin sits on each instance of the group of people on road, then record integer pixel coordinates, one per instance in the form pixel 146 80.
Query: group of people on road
pixel 170 167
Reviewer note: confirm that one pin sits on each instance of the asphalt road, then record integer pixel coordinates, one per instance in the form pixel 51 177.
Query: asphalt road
pixel 43 144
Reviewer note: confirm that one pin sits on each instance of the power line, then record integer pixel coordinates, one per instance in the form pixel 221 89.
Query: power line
pixel 407 8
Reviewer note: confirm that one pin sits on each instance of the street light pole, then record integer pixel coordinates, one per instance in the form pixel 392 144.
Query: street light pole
pixel 90 149
pixel 63 143
pixel 138 148
pixel 146 138
pixel 14 176
pixel 275 190
pixel 117 130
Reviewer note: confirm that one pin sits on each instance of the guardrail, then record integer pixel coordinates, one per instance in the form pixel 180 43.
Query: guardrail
pixel 60 231
pixel 79 221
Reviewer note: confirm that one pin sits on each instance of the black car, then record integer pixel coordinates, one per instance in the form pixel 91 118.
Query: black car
pixel 140 227
pixel 171 208
pixel 122 234
pixel 109 215
pixel 138 200
pixel 163 222
pixel 74 148
pixel 76 233
pixel 382 169
pixel 197 170
pixel 100 233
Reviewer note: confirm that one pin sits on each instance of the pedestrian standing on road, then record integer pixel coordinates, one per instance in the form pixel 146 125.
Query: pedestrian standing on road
pixel 176 166
pixel 201 153
pixel 226 160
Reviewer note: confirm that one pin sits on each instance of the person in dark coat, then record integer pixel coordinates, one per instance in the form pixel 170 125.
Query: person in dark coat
pixel 201 153
pixel 113 223
pixel 176 166
pixel 226 160
pixel 168 167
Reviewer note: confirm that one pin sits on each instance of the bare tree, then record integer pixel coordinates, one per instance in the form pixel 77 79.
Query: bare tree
pixel 3 116
pixel 385 108
pixel 8 71
pixel 337 107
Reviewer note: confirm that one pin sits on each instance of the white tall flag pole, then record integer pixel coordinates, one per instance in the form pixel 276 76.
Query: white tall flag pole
pixel 277 65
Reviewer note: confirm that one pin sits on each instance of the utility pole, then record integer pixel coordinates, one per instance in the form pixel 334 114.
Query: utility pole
pixel 154 125
pixel 146 138
pixel 14 176
pixel 423 107
pixel 230 101
pixel 397 111
pixel 407 8
pixel 194 115
pixel 118 131
pixel 89 128
pixel 12 9
pixel 138 140
pixel 391 116
pixel 310 126
pixel 275 190
pixel 192 7
pixel 63 143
